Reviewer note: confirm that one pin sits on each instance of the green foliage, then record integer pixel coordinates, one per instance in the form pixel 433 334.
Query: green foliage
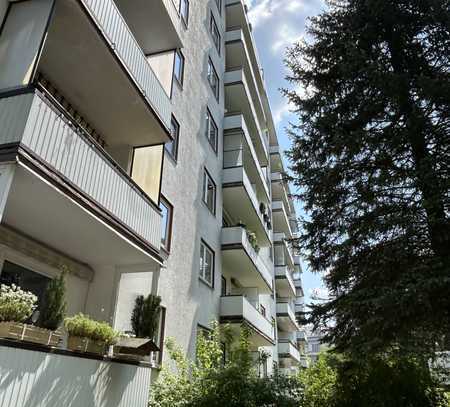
pixel 395 381
pixel 319 382
pixel 82 326
pixel 54 305
pixel 211 382
pixel 370 158
pixel 252 239
pixel 15 304
pixel 145 316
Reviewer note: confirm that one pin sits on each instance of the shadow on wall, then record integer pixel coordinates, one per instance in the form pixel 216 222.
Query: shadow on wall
pixel 37 379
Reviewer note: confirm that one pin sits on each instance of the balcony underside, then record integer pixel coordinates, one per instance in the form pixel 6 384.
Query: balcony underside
pixel 80 64
pixel 237 263
pixel 257 338
pixel 154 25
pixel 237 201
pixel 43 207
pixel 284 286
pixel 280 219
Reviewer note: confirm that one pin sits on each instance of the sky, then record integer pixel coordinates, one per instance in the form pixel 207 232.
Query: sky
pixel 276 25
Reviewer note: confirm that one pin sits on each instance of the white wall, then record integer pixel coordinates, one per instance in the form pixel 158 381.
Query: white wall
pixel 162 65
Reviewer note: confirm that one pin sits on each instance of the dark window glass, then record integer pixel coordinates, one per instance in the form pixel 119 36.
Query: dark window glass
pixel 212 132
pixel 172 146
pixel 215 33
pixel 213 79
pixel 166 224
pixel 26 279
pixel 178 70
pixel 223 288
pixel 184 11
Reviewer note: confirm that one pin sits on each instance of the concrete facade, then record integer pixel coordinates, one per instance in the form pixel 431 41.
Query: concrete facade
pixel 85 133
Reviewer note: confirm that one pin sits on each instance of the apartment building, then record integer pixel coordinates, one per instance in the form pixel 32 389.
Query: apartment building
pixel 138 149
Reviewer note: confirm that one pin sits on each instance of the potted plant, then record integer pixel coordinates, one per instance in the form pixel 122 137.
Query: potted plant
pixel 16 306
pixel 88 335
pixel 144 323
pixel 251 236
pixel 53 309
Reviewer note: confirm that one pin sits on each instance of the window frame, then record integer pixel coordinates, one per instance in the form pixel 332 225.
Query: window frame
pixel 205 245
pixel 180 81
pixel 169 226
pixel 210 120
pixel 175 141
pixel 214 72
pixel 214 28
pixel 184 18
pixel 207 176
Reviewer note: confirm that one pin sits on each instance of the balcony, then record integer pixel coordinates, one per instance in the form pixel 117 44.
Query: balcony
pixel 283 251
pixel 237 310
pixel 156 24
pixel 284 282
pixel 238 100
pixel 240 199
pixel 239 150
pixel 242 262
pixel 286 316
pixel 280 217
pixel 55 378
pixel 98 214
pixel 93 60
pixel 288 353
pixel 238 55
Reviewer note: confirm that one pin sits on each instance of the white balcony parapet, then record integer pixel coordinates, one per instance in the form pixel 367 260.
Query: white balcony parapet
pixel 55 379
pixel 236 237
pixel 37 126
pixel 283 273
pixel 120 39
pixel 287 350
pixel 286 313
pixel 238 309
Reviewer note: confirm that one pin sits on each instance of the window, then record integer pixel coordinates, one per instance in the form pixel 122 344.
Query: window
pixel 158 356
pixel 206 264
pixel 184 11
pixel 213 79
pixel 172 146
pixel 223 288
pixel 219 5
pixel 212 132
pixel 166 224
pixel 215 33
pixel 209 192
pixel 178 68
pixel 24 278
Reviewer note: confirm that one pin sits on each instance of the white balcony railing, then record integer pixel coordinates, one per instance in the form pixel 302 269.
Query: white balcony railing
pixel 239 306
pixel 35 123
pixel 287 350
pixel 37 378
pixel 237 237
pixel 121 40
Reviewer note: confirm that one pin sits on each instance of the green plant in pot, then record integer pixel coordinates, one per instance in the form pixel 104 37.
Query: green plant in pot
pixel 88 335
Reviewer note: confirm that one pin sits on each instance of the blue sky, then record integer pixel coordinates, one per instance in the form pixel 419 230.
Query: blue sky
pixel 276 25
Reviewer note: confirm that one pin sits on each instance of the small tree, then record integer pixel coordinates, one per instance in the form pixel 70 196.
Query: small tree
pixel 209 381
pixel 145 316
pixel 54 305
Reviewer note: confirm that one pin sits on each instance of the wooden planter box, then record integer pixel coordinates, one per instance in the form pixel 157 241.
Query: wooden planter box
pixel 29 333
pixel 85 345
pixel 136 349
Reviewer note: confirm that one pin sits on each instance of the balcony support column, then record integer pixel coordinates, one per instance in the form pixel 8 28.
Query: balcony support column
pixel 6 177
pixel 22 38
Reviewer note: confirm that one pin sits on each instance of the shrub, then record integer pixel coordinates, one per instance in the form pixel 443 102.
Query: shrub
pixel 15 304
pixel 85 327
pixel 145 316
pixel 53 308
